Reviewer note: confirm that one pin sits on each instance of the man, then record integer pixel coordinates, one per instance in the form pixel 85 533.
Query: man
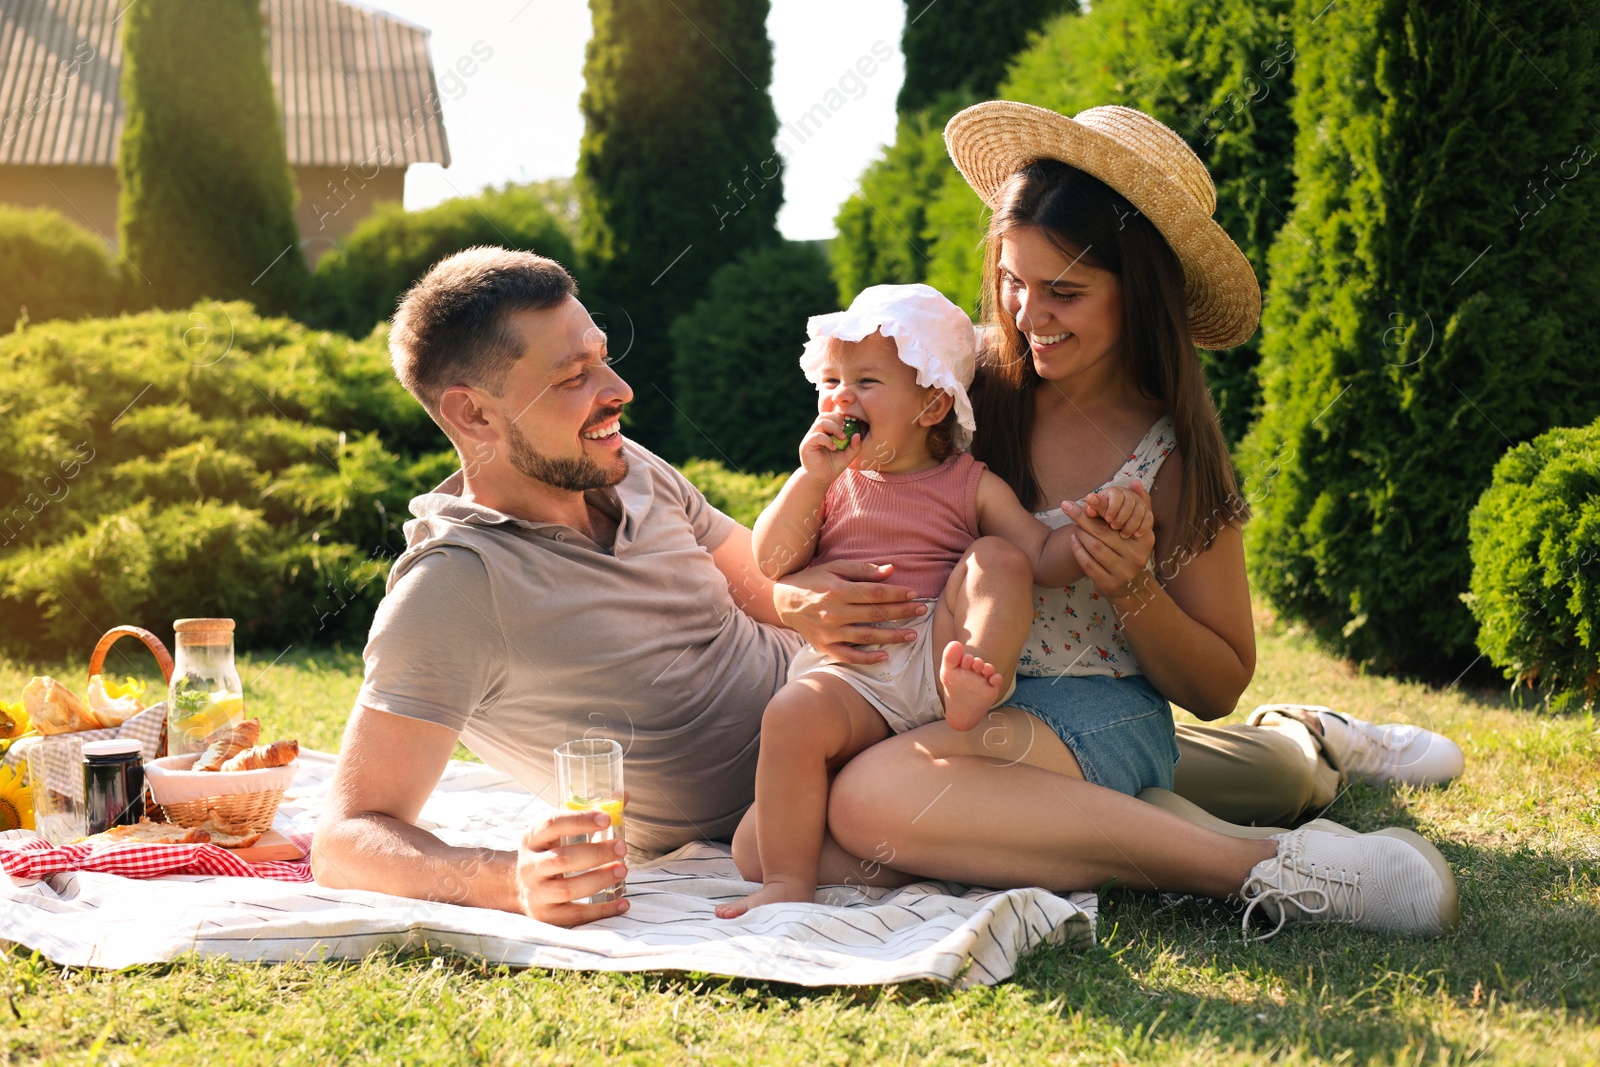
pixel 565 582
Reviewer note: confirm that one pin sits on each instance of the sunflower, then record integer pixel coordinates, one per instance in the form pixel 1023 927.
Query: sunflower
pixel 14 722
pixel 16 801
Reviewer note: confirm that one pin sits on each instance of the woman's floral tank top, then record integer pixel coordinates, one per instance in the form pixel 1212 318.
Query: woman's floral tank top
pixel 1075 630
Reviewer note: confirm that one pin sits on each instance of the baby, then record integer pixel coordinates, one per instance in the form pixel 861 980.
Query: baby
pixel 882 478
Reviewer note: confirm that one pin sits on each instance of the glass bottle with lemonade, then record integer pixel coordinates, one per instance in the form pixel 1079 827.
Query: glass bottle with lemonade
pixel 205 694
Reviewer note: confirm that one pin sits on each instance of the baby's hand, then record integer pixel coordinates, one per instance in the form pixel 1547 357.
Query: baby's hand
pixel 826 450
pixel 1125 509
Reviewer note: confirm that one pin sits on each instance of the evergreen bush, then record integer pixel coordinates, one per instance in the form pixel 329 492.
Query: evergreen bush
pixel 881 237
pixel 677 173
pixel 1535 540
pixel 1432 303
pixel 956 222
pixel 201 462
pixel 207 200
pixel 52 269
pixel 358 284
pixel 739 496
pixel 742 398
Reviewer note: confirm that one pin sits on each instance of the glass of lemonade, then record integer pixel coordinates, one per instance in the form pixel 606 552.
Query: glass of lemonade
pixel 589 778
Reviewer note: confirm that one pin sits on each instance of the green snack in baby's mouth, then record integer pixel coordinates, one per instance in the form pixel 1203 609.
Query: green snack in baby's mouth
pixel 852 426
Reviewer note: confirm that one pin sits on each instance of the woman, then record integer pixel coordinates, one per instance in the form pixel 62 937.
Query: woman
pixel 1104 270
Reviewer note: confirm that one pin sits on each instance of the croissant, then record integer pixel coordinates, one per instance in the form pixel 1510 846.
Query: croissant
pixel 55 709
pixel 227 743
pixel 108 711
pixel 274 755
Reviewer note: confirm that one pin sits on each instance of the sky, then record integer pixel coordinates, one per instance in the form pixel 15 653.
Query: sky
pixel 515 116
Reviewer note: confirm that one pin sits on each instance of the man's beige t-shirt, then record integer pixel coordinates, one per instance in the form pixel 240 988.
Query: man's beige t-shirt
pixel 523 635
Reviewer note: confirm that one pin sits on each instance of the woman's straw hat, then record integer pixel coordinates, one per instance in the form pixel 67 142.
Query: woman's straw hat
pixel 1150 166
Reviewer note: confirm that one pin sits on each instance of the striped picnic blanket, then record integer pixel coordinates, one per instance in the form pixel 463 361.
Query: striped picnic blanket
pixel 859 936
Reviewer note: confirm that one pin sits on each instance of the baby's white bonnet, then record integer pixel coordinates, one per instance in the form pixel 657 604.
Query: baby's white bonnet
pixel 934 337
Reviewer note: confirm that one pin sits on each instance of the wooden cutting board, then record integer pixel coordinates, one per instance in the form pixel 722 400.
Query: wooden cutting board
pixel 271 846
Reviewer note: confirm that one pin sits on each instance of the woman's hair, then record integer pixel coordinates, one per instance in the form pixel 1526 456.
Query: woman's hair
pixel 1087 220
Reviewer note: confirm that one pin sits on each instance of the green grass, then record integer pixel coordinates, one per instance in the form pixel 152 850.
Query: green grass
pixel 1168 983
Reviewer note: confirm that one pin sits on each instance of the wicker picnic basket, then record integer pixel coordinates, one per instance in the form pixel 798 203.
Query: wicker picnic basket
pixel 248 798
pixel 251 799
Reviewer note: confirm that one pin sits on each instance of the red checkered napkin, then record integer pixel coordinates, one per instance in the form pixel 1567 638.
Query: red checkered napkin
pixel 34 858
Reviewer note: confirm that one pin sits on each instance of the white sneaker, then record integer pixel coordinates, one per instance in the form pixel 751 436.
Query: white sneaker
pixel 1377 754
pixel 1391 882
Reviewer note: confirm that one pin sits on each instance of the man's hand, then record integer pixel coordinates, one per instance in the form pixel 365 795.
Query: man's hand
pixel 837 606
pixel 543 863
pixel 367 837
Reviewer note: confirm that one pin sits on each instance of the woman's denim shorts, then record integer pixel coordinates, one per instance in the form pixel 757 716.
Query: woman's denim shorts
pixel 1120 729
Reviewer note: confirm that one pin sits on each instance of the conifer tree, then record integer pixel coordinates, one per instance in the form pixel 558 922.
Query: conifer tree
pixel 206 207
pixel 677 174
pixel 964 46
pixel 1432 303
pixel 956 52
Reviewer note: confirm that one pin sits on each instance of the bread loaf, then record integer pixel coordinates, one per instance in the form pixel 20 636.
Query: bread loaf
pixel 55 709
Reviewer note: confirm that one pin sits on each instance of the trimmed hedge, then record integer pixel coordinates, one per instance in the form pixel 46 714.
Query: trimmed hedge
pixel 739 496
pixel 213 462
pixel 742 398
pixel 201 462
pixel 1219 72
pixel 1426 311
pixel 1535 536
pixel 358 284
pixel 53 269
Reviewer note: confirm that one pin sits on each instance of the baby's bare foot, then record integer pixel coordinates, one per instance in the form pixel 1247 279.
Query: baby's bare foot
pixel 971 686
pixel 771 893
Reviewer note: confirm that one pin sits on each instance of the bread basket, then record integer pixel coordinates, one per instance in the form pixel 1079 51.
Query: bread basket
pixel 190 797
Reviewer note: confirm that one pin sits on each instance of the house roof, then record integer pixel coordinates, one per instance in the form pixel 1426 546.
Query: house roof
pixel 354 85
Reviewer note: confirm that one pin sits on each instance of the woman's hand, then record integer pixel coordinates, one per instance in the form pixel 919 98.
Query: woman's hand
pixel 837 606
pixel 543 889
pixel 820 454
pixel 1115 560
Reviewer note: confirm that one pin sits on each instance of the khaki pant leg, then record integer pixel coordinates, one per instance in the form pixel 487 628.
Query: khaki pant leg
pixel 1271 774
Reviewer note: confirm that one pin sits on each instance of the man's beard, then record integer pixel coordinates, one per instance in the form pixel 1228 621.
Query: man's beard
pixel 575 475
